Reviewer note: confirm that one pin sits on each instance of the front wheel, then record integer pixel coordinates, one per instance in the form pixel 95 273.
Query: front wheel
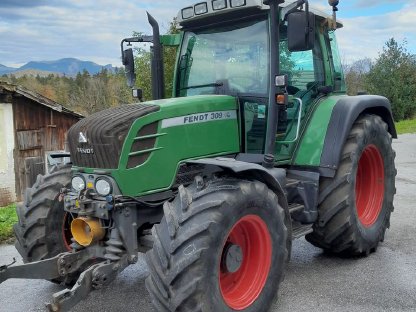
pixel 43 228
pixel 221 247
pixel 356 204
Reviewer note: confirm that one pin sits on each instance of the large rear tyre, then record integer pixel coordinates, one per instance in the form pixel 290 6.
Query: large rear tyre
pixel 43 228
pixel 355 205
pixel 219 247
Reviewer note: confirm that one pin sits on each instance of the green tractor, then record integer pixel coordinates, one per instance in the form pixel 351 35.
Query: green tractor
pixel 258 146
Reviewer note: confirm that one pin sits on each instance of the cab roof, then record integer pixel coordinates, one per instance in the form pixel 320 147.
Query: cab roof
pixel 210 8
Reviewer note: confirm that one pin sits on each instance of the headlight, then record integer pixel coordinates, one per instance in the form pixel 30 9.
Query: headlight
pixel 219 4
pixel 237 3
pixel 78 183
pixel 187 12
pixel 201 8
pixel 103 187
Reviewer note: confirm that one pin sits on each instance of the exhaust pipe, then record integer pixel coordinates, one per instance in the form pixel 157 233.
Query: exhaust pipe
pixel 158 80
pixel 87 231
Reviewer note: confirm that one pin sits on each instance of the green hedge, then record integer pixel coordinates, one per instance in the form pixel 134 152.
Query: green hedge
pixel 8 217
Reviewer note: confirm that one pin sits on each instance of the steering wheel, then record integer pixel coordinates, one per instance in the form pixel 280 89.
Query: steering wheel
pixel 292 90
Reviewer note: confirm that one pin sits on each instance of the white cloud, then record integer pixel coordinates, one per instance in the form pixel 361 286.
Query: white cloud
pixel 375 3
pixel 92 30
pixel 85 29
pixel 365 36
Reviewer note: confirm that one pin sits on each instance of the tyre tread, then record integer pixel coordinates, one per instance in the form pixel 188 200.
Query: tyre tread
pixel 181 240
pixel 336 230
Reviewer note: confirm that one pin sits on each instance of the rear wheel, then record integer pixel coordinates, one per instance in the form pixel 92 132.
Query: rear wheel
pixel 43 228
pixel 355 205
pixel 221 247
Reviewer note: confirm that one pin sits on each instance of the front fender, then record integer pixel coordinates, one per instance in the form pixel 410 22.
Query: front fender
pixel 273 178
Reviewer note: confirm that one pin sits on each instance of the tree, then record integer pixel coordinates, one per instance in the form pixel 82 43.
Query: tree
pixel 142 62
pixel 356 74
pixel 393 75
pixel 83 93
pixel 142 68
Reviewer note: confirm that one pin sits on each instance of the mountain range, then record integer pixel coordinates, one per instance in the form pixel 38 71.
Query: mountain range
pixel 66 66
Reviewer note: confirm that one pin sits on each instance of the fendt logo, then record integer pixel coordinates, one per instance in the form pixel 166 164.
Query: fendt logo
pixel 85 150
pixel 82 138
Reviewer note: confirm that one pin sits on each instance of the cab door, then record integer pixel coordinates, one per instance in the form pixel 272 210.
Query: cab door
pixel 306 73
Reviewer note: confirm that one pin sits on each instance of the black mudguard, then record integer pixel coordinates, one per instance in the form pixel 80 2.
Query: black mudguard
pixel 274 179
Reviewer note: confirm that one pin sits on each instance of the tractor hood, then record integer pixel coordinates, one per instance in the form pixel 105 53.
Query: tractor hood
pixel 155 136
pixel 97 141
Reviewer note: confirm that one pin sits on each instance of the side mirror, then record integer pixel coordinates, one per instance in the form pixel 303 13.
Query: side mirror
pixel 128 62
pixel 300 31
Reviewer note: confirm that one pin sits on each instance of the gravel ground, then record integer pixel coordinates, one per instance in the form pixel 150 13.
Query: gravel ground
pixel 384 281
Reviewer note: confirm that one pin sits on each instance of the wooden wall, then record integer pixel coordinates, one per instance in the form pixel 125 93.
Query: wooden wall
pixel 38 129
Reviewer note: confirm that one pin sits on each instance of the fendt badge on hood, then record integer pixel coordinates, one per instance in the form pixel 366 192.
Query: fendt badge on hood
pixel 82 138
pixel 85 150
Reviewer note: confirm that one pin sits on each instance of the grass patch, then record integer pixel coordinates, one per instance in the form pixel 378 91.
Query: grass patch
pixel 406 126
pixel 8 217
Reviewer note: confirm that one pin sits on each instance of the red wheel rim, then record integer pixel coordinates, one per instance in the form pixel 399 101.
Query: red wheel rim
pixel 369 186
pixel 241 288
pixel 66 231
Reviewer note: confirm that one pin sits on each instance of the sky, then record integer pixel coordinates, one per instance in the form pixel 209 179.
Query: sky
pixel 45 30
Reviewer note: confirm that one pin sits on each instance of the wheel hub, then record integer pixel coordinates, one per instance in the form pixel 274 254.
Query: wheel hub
pixel 369 187
pixel 245 262
pixel 232 258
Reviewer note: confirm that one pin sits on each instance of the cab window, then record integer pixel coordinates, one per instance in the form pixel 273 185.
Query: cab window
pixel 304 69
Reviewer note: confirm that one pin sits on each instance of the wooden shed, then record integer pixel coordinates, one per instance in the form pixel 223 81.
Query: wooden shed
pixel 31 125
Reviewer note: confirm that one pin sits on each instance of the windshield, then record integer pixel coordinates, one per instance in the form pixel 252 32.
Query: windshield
pixel 229 59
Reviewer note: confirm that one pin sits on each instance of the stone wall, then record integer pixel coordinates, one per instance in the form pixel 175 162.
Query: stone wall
pixel 7 175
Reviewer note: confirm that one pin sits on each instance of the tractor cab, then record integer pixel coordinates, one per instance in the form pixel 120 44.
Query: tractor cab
pixel 240 48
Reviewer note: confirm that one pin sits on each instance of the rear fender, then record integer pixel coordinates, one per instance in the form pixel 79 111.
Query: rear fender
pixel 344 114
pixel 330 125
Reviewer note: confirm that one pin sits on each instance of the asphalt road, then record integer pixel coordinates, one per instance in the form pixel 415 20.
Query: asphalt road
pixel 384 281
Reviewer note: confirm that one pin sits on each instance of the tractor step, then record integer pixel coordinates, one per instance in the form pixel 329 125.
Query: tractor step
pixel 291 182
pixel 294 207
pixel 300 230
pixel 302 188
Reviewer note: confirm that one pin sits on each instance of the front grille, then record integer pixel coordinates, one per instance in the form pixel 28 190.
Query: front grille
pixel 143 145
pixel 105 132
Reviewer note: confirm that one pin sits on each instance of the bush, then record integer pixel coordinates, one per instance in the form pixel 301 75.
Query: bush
pixel 8 217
